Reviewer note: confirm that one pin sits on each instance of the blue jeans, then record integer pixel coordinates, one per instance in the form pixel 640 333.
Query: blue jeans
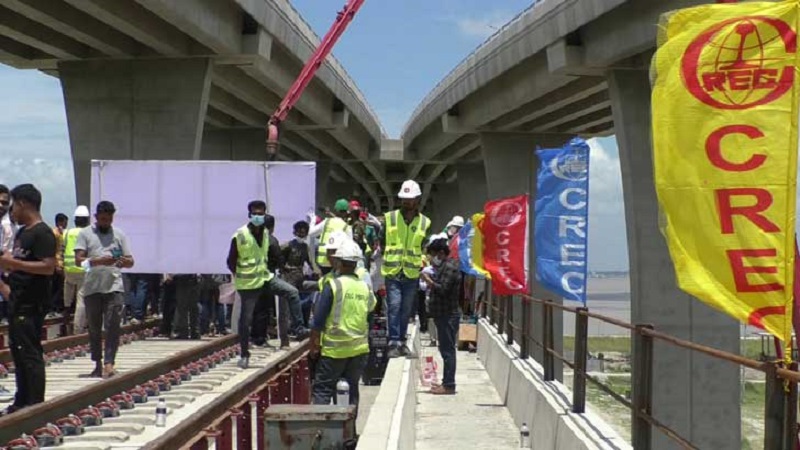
pixel 136 297
pixel 210 308
pixel 329 371
pixel 401 295
pixel 447 331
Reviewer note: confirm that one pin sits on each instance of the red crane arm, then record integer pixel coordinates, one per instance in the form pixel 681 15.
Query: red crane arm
pixel 343 19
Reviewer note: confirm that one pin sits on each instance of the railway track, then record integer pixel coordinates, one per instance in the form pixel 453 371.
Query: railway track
pixel 204 390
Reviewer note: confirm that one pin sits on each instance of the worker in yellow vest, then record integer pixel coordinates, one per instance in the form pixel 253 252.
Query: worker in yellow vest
pixel 403 236
pixel 328 226
pixel 339 336
pixel 247 260
pixel 73 274
pixel 336 241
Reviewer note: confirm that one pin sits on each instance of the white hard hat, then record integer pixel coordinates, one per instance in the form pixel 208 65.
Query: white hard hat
pixel 81 211
pixel 410 189
pixel 349 251
pixel 335 240
pixel 456 221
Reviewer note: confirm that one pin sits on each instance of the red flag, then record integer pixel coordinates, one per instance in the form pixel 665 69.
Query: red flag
pixel 454 246
pixel 505 244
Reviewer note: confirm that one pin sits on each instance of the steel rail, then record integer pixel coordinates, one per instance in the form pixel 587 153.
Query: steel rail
pixel 33 417
pixel 63 343
pixel 190 430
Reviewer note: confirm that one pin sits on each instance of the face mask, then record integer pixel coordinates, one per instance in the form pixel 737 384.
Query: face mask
pixel 436 261
pixel 257 221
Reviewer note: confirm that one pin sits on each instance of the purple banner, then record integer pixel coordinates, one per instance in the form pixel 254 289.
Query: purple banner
pixel 180 215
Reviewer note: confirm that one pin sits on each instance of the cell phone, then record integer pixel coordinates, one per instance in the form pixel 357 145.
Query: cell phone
pixel 116 253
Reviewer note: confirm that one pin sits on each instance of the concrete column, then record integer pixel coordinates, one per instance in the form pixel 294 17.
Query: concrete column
pixel 511 166
pixel 446 204
pixel 136 109
pixel 695 395
pixel 472 190
pixel 323 179
pixel 234 145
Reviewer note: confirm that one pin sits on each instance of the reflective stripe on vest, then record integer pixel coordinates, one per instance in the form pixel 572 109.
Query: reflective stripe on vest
pixel 70 239
pixel 332 225
pixel 346 327
pixel 251 265
pixel 403 252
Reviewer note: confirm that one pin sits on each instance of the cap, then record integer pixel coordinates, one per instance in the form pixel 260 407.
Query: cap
pixel 355 205
pixel 349 251
pixel 81 211
pixel 409 189
pixel 456 221
pixel 341 205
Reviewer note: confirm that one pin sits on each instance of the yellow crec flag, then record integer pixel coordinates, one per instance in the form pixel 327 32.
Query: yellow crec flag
pixel 724 106
pixel 477 246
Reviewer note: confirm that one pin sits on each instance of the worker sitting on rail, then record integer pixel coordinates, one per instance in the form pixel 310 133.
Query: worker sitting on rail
pixel 30 266
pixel 340 328
pixel 327 227
pixel 247 260
pixel 403 237
pixel 103 251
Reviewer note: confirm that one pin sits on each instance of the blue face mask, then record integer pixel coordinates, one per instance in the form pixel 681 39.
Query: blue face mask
pixel 257 221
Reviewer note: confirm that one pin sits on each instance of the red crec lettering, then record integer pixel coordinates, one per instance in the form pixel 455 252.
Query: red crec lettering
pixel 765 79
pixel 727 210
pixel 739 80
pixel 714 148
pixel 740 271
pixel 714 81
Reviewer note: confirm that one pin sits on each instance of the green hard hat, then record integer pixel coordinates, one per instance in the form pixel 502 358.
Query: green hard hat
pixel 341 205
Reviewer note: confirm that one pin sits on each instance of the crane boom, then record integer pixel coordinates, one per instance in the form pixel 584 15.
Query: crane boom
pixel 343 19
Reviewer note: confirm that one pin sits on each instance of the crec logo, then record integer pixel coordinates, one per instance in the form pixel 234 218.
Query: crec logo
pixel 505 214
pixel 741 63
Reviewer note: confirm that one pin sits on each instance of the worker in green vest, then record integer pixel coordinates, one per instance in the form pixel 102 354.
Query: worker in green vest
pixel 247 261
pixel 331 246
pixel 74 274
pixel 328 226
pixel 404 234
pixel 339 336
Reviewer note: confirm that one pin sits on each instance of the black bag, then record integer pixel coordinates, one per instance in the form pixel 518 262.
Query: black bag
pixel 378 351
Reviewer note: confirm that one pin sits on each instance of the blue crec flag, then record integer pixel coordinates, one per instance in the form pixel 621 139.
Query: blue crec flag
pixel 562 218
pixel 465 249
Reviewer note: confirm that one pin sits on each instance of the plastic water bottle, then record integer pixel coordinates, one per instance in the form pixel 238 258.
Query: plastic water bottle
pixel 429 374
pixel 524 436
pixel 342 393
pixel 161 413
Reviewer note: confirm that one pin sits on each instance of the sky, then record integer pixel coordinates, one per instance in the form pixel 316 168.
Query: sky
pixel 395 51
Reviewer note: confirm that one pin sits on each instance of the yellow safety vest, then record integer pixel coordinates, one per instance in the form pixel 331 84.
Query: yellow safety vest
pixel 403 252
pixel 70 239
pixel 251 266
pixel 360 272
pixel 332 225
pixel 346 328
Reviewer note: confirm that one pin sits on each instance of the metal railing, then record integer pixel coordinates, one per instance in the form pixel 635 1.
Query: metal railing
pixel 781 393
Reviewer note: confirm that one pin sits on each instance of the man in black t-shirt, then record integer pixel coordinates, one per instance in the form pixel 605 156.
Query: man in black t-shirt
pixel 31 267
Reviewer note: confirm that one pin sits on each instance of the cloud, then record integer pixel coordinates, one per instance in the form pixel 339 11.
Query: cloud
pixel 484 26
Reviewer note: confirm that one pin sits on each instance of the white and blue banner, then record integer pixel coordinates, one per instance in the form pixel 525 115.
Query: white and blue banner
pixel 562 217
pixel 465 249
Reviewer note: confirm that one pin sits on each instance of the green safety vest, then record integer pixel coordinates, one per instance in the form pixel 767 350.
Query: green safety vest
pixel 403 252
pixel 70 239
pixel 346 328
pixel 332 225
pixel 251 266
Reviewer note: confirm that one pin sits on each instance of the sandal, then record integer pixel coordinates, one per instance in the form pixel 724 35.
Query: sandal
pixel 109 371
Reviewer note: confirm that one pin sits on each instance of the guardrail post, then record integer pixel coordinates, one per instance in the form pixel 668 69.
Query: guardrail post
pixel 524 350
pixel 642 389
pixel 548 360
pixel 581 355
pixel 501 319
pixel 509 319
pixel 212 435
pixel 773 411
pixel 236 420
pixel 487 289
pixel 253 435
pixel 790 414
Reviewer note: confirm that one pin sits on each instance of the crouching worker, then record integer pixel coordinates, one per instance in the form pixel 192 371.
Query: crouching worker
pixel 340 328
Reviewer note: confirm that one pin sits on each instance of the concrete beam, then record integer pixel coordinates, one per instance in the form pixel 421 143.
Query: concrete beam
pixel 232 106
pixel 696 395
pixel 215 24
pixel 77 25
pixel 17 54
pixel 472 189
pixel 36 35
pixel 140 24
pixel 218 118
pixel 133 110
